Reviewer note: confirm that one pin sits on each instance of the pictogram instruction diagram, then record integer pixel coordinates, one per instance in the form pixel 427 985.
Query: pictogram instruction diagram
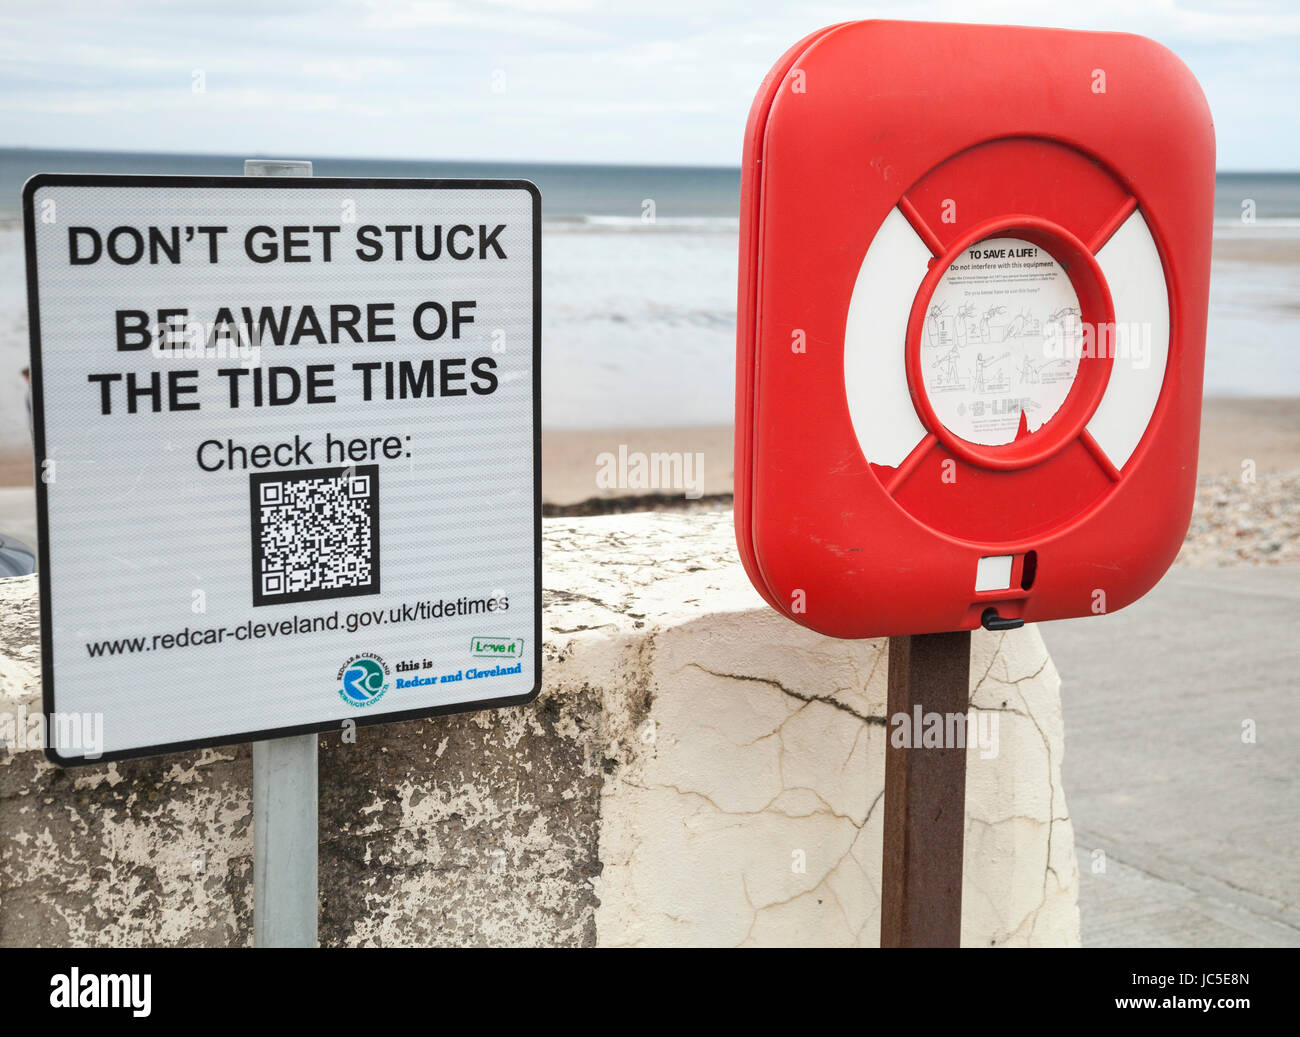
pixel 1002 336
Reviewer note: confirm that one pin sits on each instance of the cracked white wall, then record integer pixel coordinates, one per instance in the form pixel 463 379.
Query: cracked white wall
pixel 746 806
pixel 687 745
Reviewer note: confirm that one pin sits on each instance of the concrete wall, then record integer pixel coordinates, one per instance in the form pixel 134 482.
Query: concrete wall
pixel 697 770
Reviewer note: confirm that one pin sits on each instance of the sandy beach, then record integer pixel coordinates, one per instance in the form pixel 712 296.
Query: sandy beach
pixel 1246 246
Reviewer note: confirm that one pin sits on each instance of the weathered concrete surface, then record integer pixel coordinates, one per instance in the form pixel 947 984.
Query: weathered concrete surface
pixel 697 771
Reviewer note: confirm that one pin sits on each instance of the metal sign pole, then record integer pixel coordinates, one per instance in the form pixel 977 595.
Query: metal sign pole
pixel 285 798
pixel 925 795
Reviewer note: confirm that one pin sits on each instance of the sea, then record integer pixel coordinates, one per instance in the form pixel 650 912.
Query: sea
pixel 639 281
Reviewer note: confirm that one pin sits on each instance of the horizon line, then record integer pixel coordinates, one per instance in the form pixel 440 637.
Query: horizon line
pixel 476 161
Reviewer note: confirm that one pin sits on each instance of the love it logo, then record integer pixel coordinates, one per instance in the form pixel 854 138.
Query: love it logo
pixel 364 679
pixel 497 647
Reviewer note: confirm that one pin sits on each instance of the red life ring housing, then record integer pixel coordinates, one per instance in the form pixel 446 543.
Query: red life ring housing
pixel 971 324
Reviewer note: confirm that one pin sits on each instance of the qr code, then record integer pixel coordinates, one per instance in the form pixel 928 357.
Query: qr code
pixel 315 534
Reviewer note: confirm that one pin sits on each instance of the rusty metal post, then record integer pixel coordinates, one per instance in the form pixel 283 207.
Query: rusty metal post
pixel 925 796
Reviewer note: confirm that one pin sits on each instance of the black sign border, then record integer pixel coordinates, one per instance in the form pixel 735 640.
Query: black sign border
pixel 41 180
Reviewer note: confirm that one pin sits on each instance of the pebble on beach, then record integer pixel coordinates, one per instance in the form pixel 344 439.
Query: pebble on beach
pixel 1236 522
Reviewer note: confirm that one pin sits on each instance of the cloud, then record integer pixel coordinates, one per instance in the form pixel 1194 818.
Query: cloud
pixel 547 80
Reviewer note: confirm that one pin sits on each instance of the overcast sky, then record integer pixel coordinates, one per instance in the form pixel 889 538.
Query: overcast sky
pixel 667 81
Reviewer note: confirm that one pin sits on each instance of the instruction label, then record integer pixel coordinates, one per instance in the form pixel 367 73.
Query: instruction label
pixel 997 341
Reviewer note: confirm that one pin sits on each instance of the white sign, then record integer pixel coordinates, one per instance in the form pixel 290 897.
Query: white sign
pixel 287 433
pixel 1000 339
